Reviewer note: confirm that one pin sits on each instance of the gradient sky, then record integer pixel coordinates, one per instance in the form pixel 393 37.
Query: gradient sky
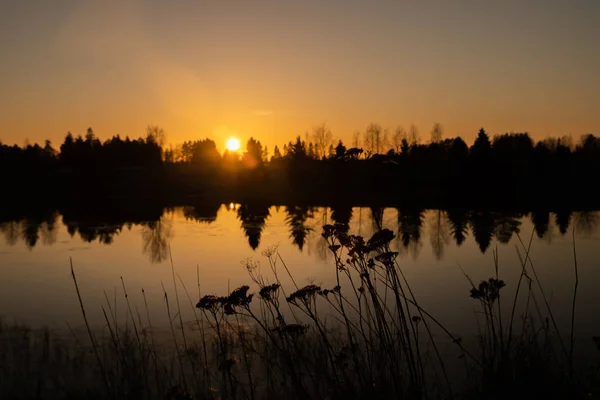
pixel 274 69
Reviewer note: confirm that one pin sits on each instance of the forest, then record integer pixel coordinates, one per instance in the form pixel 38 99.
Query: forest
pixel 377 168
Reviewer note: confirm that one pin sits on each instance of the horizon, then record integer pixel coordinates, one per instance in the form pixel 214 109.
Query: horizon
pixel 573 140
pixel 273 70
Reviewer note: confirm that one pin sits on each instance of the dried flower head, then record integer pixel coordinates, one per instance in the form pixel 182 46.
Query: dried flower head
pixel 210 301
pixel 387 258
pixel 240 297
pixel 488 291
pixel 268 291
pixel 304 294
pixel 380 239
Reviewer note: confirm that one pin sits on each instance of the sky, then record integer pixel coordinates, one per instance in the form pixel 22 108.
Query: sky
pixel 275 69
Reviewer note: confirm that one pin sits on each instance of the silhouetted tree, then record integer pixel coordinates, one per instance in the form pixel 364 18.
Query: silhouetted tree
pixel 404 147
pixel 340 151
pixel 311 151
pixel 436 133
pixel 397 139
pixel 156 134
pixel 482 146
pixel 413 135
pixel 322 137
pixel 202 152
pixel 374 139
pixel 356 139
pixel 254 155
pixel 296 151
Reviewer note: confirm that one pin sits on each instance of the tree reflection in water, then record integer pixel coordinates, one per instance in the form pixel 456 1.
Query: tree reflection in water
pixel 506 224
pixel 586 223
pixel 541 222
pixel 155 238
pixel 410 222
pixel 439 232
pixel 459 220
pixel 253 217
pixel 304 225
pixel 11 231
pixel 296 217
pixel 563 219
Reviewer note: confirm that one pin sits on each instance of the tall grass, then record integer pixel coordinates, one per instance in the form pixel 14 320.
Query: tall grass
pixel 366 337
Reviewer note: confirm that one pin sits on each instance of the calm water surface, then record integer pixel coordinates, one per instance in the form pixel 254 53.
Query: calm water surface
pixel 36 285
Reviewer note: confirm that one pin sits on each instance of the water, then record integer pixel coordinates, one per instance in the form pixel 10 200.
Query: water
pixel 435 247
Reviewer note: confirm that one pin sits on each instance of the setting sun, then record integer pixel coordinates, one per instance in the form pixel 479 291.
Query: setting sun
pixel 233 144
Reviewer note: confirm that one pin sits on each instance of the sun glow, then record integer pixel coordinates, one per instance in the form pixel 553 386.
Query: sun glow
pixel 233 144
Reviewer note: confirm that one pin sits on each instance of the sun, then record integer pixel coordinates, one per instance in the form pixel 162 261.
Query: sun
pixel 233 144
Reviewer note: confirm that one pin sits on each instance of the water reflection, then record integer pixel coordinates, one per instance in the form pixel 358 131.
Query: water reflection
pixel 410 222
pixel 377 218
pixel 253 217
pixel 563 219
pixel 156 236
pixel 202 212
pixel 586 222
pixel 439 232
pixel 459 229
pixel 303 222
pixel 482 224
pixel 506 224
pixel 11 231
pixel 341 214
pixel 296 217
pixel 541 222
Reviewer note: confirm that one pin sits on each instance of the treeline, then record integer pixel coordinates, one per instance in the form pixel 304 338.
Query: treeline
pixel 83 153
pixel 374 143
pixel 376 163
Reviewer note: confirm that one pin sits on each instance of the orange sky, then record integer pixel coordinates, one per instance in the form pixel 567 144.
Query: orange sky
pixel 274 69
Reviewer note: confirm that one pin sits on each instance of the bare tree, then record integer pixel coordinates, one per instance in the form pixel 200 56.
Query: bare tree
pixel 156 134
pixel 356 139
pixel 550 143
pixel 374 139
pixel 413 135
pixel 399 134
pixel 322 138
pixel 437 132
pixel 567 141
